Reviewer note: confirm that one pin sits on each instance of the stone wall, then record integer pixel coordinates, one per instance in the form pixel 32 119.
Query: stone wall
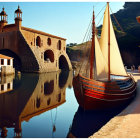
pixel 45 66
pixel 23 44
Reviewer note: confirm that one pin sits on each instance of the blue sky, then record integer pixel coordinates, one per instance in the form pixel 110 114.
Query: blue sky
pixel 65 19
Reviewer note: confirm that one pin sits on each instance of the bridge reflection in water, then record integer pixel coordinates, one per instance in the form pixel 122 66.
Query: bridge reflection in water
pixel 30 95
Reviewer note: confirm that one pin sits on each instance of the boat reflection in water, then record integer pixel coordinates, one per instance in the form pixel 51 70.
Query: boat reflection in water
pixel 30 95
pixel 86 123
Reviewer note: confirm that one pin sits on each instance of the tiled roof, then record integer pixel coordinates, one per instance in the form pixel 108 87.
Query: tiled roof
pixel 5 57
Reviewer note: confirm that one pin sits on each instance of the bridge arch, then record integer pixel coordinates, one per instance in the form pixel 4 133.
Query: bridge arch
pixel 17 64
pixel 49 55
pixel 63 64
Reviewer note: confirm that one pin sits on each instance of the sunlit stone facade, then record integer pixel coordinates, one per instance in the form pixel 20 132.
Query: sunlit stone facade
pixel 33 50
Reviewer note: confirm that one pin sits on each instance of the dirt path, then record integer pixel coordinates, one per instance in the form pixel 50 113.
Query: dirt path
pixel 127 123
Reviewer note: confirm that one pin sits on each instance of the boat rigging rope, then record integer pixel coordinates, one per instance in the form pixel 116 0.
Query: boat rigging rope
pixel 53 122
pixel 100 20
pixel 116 20
pixel 87 30
pixel 87 49
pixel 100 11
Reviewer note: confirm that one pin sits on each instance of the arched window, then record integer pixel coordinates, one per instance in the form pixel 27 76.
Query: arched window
pixel 38 41
pixel 49 41
pixel 59 45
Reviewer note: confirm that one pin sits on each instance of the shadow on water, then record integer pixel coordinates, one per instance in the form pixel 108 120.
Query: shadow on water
pixel 86 123
pixel 27 95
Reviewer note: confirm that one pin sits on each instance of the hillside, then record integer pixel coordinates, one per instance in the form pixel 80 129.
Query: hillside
pixel 129 42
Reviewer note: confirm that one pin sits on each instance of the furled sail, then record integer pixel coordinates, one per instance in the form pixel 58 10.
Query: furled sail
pixel 101 65
pixel 116 64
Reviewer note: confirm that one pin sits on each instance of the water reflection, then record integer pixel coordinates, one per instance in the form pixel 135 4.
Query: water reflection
pixel 29 95
pixel 86 123
pixel 6 83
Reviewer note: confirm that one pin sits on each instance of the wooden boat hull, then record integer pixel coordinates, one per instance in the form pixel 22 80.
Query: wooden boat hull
pixel 95 95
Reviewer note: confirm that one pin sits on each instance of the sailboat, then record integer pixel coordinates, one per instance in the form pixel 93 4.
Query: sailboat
pixel 107 84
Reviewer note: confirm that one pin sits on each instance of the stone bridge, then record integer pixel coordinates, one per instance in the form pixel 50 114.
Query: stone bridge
pixel 32 50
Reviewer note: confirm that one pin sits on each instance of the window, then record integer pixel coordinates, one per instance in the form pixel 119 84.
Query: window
pixel 38 41
pixel 8 62
pixel 2 61
pixel 59 45
pixel 2 87
pixel 8 86
pixel 49 41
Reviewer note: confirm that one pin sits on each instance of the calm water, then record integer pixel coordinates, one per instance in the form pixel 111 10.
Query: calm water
pixel 44 106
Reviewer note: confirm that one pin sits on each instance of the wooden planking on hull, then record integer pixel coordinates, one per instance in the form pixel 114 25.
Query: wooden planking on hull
pixel 93 99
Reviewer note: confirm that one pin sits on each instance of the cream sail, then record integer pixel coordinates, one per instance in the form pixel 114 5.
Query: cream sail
pixel 116 64
pixel 100 90
pixel 101 66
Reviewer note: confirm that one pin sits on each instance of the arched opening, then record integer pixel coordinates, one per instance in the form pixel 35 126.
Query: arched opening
pixel 59 45
pixel 63 64
pixel 16 62
pixel 63 77
pixel 49 41
pixel 48 87
pixel 49 56
pixel 38 41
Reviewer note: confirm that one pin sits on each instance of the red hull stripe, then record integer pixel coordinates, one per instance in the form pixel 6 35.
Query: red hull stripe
pixel 105 96
pixel 107 91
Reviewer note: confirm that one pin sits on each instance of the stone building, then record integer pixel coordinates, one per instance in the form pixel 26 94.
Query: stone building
pixel 6 65
pixel 32 50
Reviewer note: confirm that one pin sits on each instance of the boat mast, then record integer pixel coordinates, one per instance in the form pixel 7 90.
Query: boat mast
pixel 108 43
pixel 92 47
